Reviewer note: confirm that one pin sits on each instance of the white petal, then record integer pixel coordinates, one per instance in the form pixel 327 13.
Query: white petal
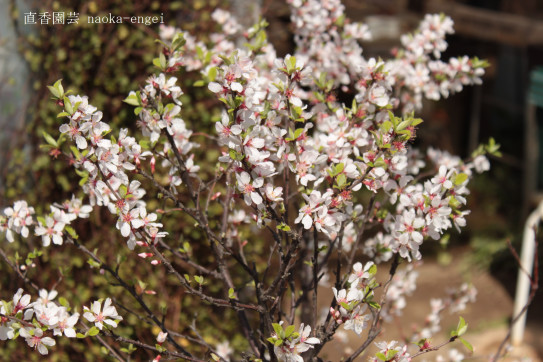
pixel 312 340
pixel 125 229
pixel 235 86
pixel 214 87
pixel 257 199
pixel 137 223
pixel 81 142
pixel 89 316
pixel 48 341
pixel 307 221
pixel 42 349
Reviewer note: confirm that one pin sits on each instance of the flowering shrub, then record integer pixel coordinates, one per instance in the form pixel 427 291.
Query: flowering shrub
pixel 305 185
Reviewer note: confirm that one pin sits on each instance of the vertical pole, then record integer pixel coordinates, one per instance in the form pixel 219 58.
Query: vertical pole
pixel 523 279
pixel 531 155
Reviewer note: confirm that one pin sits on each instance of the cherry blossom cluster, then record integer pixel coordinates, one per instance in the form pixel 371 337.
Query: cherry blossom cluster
pixel 273 125
pixel 157 116
pixel 352 303
pixel 289 345
pixel 39 322
pixel 391 351
pixel 264 102
pixel 17 219
pixel 419 75
pixel 330 40
pixel 51 227
pixel 103 163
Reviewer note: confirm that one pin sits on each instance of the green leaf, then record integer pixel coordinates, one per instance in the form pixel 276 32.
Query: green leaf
pixel 466 344
pixel 460 179
pixel 462 327
pixel 93 331
pixel 340 20
pixel 212 74
pixel 159 348
pixel 390 354
pixel 283 227
pixel 50 139
pixel 308 262
pixel 178 41
pixel 381 356
pixel 289 330
pixel 200 54
pixel 123 190
pixel 133 100
pixel 83 180
pixel 54 91
pixel 198 83
pixel 71 231
pixel 339 169
pixel 93 263
pixel 63 302
pixel 199 279
pixel 403 125
pixel 386 126
pixel 341 180
pixel 68 106
pixel 156 63
pixel 162 60
pixel 58 85
pixel 80 335
pixel 416 121
pixel 278 329
pixel 231 293
pixel 291 64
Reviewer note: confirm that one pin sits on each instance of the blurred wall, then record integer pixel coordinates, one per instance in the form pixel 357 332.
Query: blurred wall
pixel 15 85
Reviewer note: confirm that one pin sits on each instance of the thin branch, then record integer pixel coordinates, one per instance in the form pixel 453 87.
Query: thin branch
pixel 132 292
pixel 18 271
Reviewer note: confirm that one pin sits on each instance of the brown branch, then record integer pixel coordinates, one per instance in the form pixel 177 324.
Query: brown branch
pixel 130 289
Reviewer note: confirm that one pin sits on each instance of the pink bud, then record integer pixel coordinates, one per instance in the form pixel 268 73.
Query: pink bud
pixel 215 196
pixel 153 161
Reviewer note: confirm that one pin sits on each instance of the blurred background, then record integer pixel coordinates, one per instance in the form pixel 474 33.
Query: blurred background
pixel 106 61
